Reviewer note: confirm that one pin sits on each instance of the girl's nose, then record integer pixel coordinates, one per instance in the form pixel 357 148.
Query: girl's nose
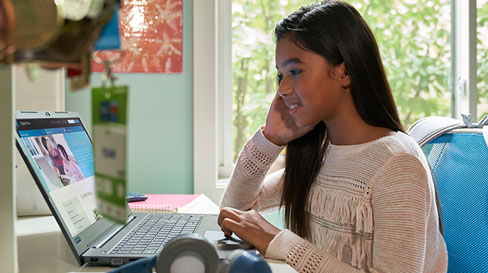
pixel 284 87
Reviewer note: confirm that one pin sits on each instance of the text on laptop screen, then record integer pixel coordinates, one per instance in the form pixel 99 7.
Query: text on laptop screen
pixel 63 155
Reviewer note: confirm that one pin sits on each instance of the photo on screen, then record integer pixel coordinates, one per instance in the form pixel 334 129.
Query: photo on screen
pixel 61 161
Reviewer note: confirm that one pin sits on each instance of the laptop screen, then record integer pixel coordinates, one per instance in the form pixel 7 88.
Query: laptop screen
pixel 62 153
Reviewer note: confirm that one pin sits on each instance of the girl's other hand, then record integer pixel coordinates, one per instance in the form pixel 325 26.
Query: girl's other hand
pixel 250 226
pixel 280 126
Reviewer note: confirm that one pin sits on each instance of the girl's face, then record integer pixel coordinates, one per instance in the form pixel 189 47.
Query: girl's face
pixel 311 88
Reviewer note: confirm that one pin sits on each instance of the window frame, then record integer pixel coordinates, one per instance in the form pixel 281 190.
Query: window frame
pixel 212 96
pixel 463 58
pixel 212 88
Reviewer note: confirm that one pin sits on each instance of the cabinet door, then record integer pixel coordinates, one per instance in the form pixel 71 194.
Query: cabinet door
pixel 35 90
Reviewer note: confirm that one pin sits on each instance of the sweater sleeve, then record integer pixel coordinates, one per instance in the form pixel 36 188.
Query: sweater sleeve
pixel 249 186
pixel 401 204
pixel 405 218
pixel 303 256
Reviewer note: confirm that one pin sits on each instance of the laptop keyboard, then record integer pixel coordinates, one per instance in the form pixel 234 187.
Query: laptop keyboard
pixel 154 231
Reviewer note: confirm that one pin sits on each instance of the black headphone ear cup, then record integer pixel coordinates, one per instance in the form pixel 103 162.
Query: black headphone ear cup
pixel 188 253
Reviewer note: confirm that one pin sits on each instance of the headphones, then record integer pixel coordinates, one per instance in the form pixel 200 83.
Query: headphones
pixel 194 254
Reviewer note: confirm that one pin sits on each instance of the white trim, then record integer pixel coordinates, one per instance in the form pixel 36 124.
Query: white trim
pixel 224 89
pixel 8 251
pixel 205 159
pixel 464 58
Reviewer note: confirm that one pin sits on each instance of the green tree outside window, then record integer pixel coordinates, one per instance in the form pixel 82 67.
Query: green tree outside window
pixel 414 40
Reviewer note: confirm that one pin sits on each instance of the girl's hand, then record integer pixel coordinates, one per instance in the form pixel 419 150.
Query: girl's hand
pixel 250 226
pixel 280 126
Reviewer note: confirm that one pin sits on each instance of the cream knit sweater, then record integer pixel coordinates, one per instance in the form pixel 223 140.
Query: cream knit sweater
pixel 372 207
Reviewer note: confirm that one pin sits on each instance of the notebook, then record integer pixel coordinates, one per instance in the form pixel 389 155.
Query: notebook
pixel 66 181
pixel 163 203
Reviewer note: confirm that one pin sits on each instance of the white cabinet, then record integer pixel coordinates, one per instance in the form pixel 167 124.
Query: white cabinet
pixel 46 92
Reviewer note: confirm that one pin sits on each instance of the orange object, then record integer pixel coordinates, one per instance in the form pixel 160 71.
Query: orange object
pixel 151 36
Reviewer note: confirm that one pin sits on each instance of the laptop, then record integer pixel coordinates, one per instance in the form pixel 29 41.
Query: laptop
pixel 70 195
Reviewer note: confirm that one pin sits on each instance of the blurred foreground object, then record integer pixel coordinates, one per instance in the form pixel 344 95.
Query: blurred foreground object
pixel 7 16
pixel 54 33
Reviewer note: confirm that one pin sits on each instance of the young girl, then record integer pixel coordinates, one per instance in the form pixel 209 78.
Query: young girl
pixel 357 192
pixel 70 166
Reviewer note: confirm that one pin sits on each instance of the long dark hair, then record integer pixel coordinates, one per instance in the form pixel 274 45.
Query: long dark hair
pixel 336 31
pixel 63 151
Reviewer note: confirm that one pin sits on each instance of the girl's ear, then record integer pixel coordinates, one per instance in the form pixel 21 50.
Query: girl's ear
pixel 343 75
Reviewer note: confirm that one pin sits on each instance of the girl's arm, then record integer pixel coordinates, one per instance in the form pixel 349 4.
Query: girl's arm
pixel 249 186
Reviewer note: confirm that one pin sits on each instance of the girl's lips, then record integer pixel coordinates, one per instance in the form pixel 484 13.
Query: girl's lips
pixel 293 109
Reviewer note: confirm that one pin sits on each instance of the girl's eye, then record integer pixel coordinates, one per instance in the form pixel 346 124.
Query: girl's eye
pixel 294 72
pixel 279 77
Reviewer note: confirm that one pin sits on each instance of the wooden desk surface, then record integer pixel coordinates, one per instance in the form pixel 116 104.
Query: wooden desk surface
pixel 42 247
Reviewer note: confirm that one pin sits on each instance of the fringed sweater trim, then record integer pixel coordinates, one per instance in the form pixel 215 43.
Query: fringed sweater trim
pixel 340 219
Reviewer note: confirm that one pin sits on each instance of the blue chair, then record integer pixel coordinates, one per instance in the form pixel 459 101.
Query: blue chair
pixel 458 155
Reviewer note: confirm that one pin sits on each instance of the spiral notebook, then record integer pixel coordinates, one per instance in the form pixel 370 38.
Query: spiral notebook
pixel 163 203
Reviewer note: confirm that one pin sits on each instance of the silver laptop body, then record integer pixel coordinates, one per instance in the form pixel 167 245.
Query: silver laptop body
pixel 71 198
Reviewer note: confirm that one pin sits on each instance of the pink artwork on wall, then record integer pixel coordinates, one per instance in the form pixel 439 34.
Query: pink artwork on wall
pixel 151 33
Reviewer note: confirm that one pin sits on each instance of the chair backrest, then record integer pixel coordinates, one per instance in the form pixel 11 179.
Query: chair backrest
pixel 459 160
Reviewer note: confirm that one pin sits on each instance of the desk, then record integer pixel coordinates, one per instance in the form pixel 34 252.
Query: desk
pixel 43 249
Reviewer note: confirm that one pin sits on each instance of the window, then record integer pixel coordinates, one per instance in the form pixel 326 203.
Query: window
pixel 253 63
pixel 414 40
pixel 428 48
pixel 482 56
